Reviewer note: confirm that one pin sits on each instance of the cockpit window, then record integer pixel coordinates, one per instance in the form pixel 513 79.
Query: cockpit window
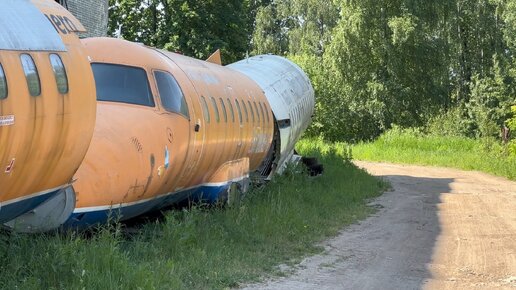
pixel 122 84
pixel 60 73
pixel 172 97
pixel 3 84
pixel 31 74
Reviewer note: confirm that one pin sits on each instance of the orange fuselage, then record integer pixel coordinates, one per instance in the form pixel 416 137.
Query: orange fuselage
pixel 45 135
pixel 141 155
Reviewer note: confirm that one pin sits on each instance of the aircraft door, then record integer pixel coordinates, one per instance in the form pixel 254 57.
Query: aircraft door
pixel 193 132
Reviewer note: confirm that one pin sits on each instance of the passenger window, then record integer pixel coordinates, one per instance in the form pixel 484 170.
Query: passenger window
pixel 31 74
pixel 245 111
pixel 171 95
pixel 252 111
pixel 59 73
pixel 257 112
pixel 217 114
pixel 205 110
pixel 239 111
pixel 3 84
pixel 231 110
pixel 122 84
pixel 224 111
pixel 266 113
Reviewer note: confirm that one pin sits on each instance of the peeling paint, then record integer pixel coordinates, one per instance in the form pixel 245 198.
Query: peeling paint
pixel 167 158
pixel 6 120
pixel 10 167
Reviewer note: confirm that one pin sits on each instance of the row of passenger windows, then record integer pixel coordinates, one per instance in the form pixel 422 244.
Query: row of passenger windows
pixel 126 84
pixel 255 113
pixel 32 76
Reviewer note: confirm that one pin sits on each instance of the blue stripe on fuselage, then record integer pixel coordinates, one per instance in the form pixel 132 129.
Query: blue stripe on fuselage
pixel 83 220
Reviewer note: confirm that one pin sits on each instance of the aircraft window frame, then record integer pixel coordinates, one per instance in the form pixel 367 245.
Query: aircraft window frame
pixel 30 70
pixel 252 111
pixel 4 89
pixel 240 117
pixel 137 73
pixel 232 110
pixel 217 113
pixel 267 113
pixel 257 112
pixel 60 74
pixel 205 110
pixel 224 110
pixel 245 111
pixel 176 89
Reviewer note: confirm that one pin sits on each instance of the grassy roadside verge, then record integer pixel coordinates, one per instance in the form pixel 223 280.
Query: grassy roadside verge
pixel 407 147
pixel 200 248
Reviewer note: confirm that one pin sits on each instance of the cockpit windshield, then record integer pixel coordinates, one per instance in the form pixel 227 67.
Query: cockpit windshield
pixel 122 84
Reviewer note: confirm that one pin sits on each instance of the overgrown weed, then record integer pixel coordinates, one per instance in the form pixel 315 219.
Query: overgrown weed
pixel 202 247
pixel 413 146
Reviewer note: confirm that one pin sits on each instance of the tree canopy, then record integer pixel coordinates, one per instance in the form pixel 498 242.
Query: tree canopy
pixel 374 64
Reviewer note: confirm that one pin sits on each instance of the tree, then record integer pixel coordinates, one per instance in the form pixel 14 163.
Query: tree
pixel 373 64
pixel 294 27
pixel 195 27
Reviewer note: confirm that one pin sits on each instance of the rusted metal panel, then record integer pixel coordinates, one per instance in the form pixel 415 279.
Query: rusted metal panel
pixel 24 27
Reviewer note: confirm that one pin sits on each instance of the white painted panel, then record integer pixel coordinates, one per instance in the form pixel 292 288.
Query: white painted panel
pixel 24 27
pixel 289 92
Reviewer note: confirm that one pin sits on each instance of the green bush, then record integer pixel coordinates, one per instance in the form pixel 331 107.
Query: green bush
pixel 341 114
pixel 451 123
pixel 512 125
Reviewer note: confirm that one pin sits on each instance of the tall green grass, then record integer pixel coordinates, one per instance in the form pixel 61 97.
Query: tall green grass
pixel 201 248
pixel 413 147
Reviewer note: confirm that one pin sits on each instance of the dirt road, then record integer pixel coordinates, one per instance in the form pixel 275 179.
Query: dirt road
pixel 438 229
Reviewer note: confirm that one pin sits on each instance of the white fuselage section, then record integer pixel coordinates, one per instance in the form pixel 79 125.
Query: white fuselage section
pixel 289 93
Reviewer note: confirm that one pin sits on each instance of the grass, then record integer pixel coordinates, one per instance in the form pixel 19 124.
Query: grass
pixel 410 147
pixel 201 248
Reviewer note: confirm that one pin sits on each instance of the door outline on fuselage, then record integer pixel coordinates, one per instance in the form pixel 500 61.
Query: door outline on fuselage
pixel 197 140
pixel 171 130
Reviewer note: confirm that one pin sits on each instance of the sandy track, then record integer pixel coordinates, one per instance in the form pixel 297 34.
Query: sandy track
pixel 438 229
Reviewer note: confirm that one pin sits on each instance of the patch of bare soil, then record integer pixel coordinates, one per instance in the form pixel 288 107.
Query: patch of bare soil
pixel 438 228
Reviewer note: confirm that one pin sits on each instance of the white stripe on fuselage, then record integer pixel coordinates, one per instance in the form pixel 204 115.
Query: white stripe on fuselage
pixel 5 203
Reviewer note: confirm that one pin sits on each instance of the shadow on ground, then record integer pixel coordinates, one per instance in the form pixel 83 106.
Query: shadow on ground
pixel 389 250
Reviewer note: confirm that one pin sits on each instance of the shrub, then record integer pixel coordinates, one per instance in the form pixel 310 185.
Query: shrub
pixel 512 125
pixel 451 123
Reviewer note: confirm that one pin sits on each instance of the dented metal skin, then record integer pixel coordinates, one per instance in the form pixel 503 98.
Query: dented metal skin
pixel 236 124
pixel 43 136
